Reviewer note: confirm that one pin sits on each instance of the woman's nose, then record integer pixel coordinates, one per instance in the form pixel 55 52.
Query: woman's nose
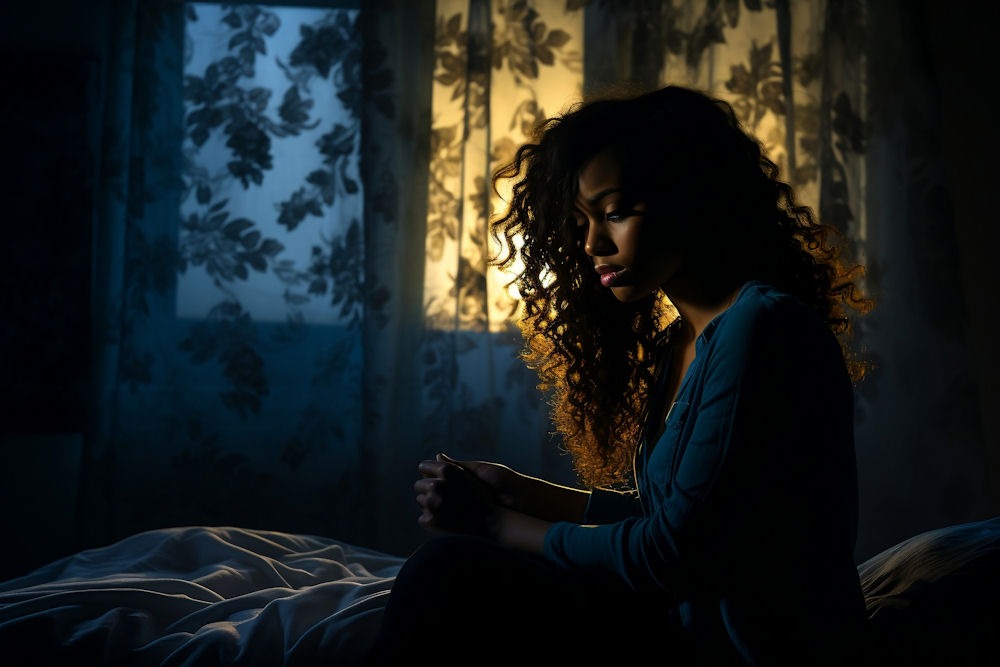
pixel 597 243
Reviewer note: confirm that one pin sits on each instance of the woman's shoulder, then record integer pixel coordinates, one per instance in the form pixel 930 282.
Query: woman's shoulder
pixel 774 329
pixel 761 307
pixel 762 294
pixel 757 297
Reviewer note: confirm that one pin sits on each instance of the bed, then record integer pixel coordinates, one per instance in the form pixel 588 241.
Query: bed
pixel 205 595
pixel 199 595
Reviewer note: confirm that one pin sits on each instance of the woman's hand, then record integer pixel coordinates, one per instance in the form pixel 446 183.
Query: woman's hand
pixel 459 496
pixel 480 498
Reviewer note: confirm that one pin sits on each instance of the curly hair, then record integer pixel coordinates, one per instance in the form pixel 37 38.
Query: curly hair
pixel 684 154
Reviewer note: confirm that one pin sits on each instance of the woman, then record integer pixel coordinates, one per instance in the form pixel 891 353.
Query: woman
pixel 691 321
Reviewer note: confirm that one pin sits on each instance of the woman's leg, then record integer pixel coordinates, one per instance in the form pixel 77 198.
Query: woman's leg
pixel 466 600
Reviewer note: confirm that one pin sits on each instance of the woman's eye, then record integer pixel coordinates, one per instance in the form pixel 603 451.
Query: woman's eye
pixel 620 214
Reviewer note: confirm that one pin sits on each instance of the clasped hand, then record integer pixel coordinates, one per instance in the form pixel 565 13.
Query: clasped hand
pixel 462 496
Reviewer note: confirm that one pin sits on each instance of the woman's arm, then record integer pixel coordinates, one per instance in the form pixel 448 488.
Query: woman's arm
pixel 515 509
pixel 520 531
pixel 511 490
pixel 543 499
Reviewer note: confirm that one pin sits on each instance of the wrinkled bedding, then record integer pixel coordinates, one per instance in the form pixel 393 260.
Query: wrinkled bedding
pixel 199 596
pixel 231 596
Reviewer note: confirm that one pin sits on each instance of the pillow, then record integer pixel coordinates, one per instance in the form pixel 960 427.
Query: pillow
pixel 935 597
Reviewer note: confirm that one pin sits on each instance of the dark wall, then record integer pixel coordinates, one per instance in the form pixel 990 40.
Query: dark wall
pixel 49 61
pixel 927 431
pixel 961 36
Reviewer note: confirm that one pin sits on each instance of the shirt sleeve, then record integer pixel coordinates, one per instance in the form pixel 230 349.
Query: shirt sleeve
pixel 608 505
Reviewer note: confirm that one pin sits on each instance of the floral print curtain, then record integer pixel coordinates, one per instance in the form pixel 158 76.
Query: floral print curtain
pixel 294 304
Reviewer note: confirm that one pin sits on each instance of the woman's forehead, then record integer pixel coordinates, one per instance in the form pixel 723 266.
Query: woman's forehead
pixel 597 175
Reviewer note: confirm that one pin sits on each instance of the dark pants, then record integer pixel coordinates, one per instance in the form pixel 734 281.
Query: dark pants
pixel 461 600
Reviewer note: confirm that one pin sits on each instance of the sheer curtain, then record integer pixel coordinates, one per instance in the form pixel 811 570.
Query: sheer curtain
pixel 293 303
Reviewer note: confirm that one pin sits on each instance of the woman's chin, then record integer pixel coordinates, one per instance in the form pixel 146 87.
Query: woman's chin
pixel 629 293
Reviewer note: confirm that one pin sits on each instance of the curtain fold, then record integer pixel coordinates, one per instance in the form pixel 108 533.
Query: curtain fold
pixel 133 249
pixel 395 167
pixel 923 458
pixel 107 280
pixel 293 303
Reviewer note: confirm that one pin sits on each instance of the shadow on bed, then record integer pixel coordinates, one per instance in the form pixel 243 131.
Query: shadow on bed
pixel 230 596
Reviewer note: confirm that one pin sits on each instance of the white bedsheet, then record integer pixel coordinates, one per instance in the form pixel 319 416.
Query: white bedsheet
pixel 200 596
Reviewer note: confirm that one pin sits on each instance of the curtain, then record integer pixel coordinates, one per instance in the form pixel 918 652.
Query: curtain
pixel 292 298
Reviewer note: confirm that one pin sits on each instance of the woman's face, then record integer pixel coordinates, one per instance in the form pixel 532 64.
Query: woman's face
pixel 633 256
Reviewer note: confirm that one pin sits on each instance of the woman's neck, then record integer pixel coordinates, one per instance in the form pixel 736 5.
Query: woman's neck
pixel 696 311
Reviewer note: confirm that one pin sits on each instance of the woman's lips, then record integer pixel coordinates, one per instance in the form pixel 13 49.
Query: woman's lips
pixel 612 276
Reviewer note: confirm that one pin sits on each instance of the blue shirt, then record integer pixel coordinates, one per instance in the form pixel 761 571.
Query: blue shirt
pixel 745 513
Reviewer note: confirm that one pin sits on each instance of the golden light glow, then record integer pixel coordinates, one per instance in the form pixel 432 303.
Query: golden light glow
pixel 476 128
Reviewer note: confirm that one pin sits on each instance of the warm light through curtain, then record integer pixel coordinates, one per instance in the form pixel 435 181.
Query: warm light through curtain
pixel 501 67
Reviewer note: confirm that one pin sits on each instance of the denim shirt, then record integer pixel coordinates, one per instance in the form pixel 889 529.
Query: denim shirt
pixel 745 512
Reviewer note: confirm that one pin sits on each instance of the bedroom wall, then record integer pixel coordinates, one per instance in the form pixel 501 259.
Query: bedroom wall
pixel 902 493
pixel 48 55
pixel 964 72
